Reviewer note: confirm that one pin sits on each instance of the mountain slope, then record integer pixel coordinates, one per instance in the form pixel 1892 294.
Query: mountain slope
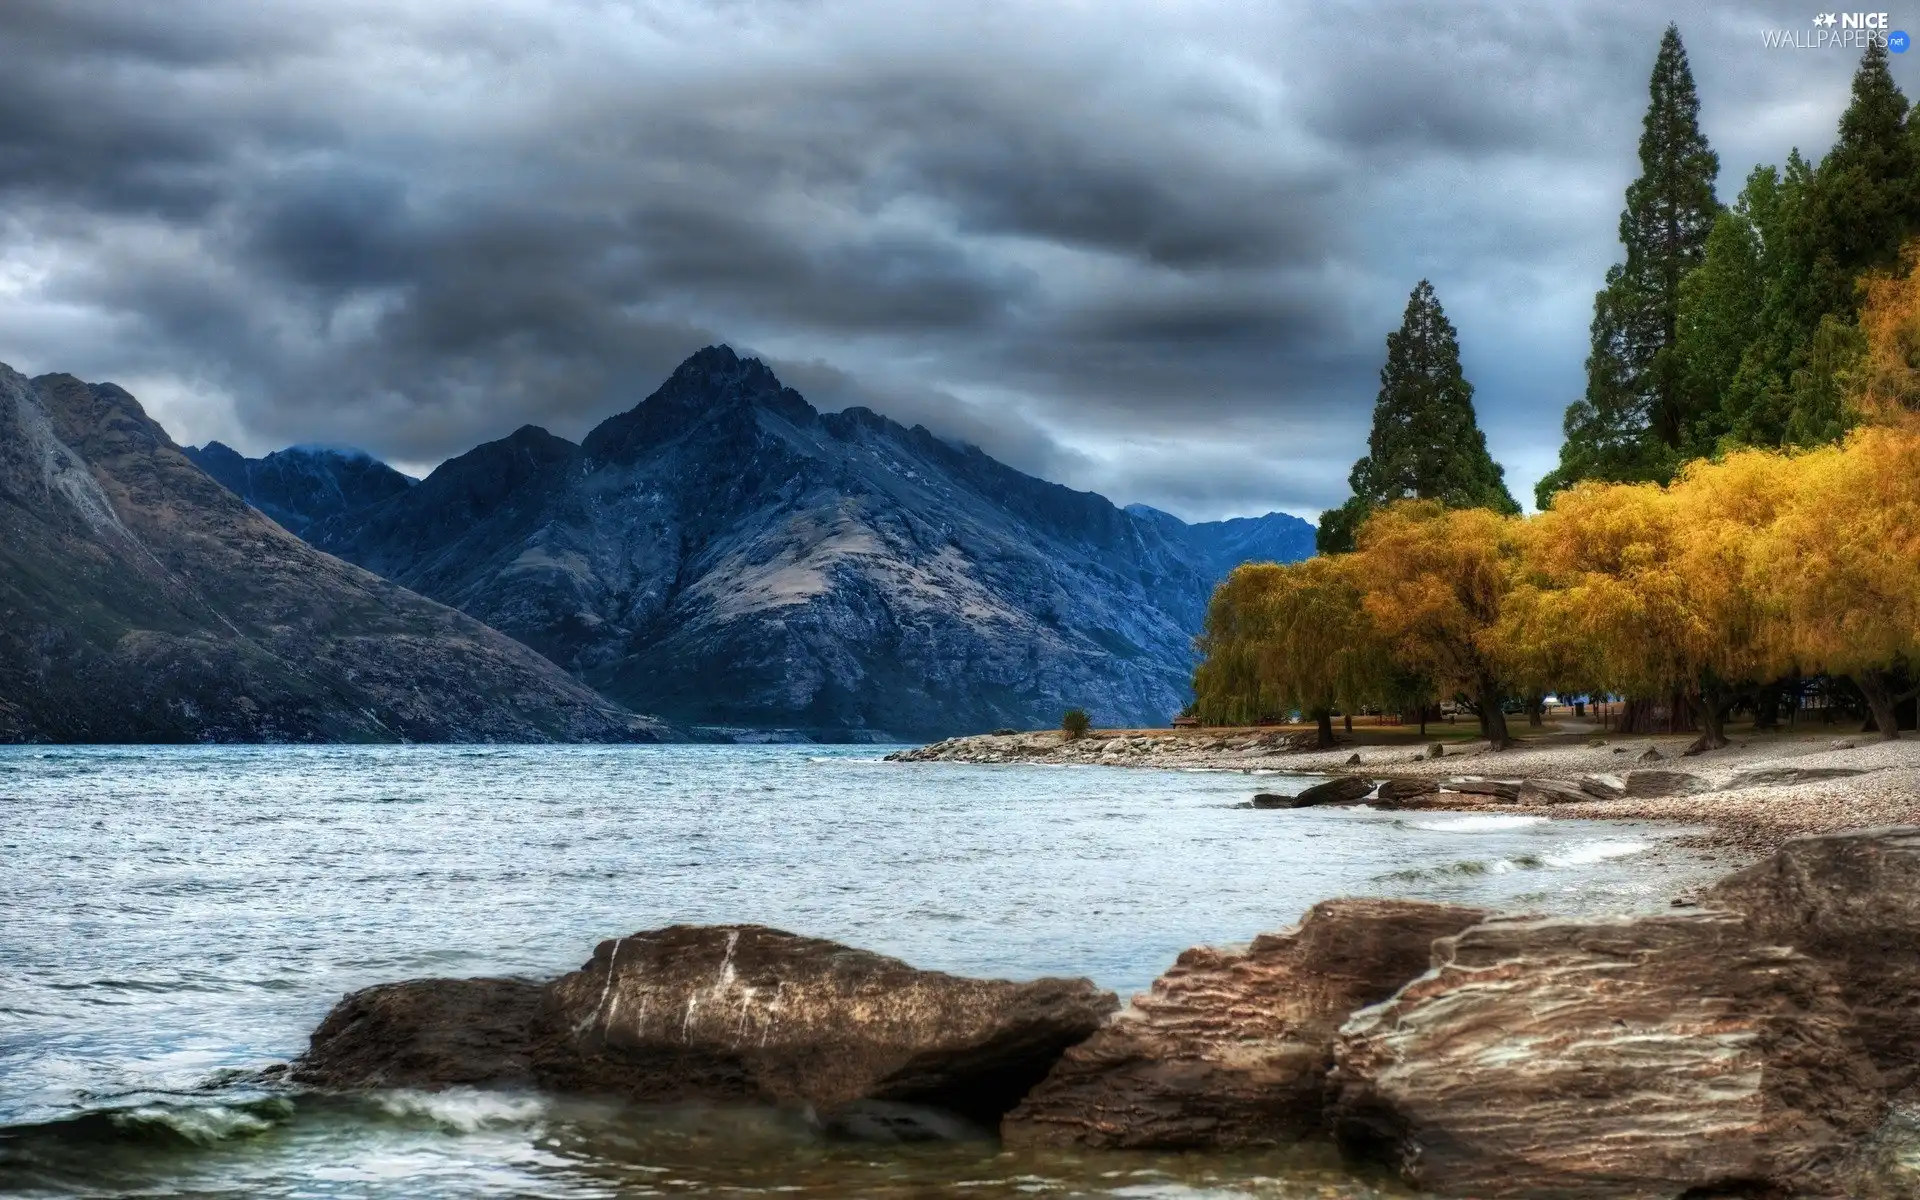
pixel 301 484
pixel 141 601
pixel 723 553
pixel 1276 537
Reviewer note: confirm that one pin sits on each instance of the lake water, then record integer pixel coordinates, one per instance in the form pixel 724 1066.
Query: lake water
pixel 172 920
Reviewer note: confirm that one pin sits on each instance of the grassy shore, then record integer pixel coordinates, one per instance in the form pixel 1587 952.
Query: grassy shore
pixel 1736 814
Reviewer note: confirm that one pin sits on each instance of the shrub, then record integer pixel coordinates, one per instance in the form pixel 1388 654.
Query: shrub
pixel 1075 724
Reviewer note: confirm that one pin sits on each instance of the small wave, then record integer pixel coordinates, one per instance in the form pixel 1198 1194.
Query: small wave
pixel 463 1110
pixel 1471 866
pixel 1595 852
pixel 1475 824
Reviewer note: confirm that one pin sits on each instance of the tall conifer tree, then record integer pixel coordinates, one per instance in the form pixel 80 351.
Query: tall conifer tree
pixel 1425 444
pixel 1634 417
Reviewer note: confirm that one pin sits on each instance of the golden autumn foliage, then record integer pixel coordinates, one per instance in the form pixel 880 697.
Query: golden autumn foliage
pixel 1283 639
pixel 1760 566
pixel 1746 570
pixel 1886 382
pixel 1437 580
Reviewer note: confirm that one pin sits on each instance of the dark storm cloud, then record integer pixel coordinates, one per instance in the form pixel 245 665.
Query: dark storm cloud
pixel 1152 250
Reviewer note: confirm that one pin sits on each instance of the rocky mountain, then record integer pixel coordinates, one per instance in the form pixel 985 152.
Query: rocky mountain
pixel 725 554
pixel 142 601
pixel 1276 537
pixel 301 484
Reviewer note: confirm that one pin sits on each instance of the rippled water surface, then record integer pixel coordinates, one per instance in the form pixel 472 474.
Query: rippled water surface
pixel 174 919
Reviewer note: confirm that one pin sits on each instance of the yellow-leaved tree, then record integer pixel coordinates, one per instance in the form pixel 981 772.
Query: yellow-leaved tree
pixel 1435 582
pixel 1283 639
pixel 1648 589
pixel 1840 563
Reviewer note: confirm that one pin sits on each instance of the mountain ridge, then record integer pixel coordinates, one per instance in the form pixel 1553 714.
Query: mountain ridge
pixel 141 601
pixel 726 554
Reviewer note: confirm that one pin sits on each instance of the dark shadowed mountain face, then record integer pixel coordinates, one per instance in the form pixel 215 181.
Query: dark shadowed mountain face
pixel 724 554
pixel 302 484
pixel 142 601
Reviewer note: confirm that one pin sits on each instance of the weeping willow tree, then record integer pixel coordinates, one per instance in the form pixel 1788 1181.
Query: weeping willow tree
pixel 1289 639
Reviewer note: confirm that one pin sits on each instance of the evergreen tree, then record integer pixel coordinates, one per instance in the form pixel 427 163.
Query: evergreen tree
pixel 1835 222
pixel 1634 417
pixel 1425 444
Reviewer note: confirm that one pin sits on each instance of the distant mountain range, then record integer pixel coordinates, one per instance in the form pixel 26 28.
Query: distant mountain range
pixel 724 554
pixel 142 602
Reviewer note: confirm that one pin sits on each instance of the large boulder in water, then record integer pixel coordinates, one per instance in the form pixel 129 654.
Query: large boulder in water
pixel 1232 1048
pixel 743 1012
pixel 425 1032
pixel 1852 901
pixel 1660 1056
pixel 719 1013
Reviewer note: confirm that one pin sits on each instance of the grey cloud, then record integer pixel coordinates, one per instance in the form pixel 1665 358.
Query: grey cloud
pixel 1151 250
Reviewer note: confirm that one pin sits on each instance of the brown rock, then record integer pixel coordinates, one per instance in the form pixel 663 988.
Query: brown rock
pixel 743 1012
pixel 1626 1057
pixel 1505 790
pixel 719 1013
pixel 1551 791
pixel 1646 785
pixel 1779 776
pixel 1344 790
pixel 1231 1048
pixel 1603 787
pixel 1397 792
pixel 425 1032
pixel 1650 754
pixel 1275 800
pixel 1852 901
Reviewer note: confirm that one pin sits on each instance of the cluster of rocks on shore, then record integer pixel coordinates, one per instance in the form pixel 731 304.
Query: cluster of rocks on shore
pixel 1749 1046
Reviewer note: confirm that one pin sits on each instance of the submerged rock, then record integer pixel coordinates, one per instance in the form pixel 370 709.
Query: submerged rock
pixel 1852 901
pixel 1401 793
pixel 720 1013
pixel 1231 1048
pixel 1344 790
pixel 1657 1056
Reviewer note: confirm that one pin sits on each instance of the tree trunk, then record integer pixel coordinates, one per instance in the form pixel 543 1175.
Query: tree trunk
pixel 1878 690
pixel 1712 704
pixel 1347 718
pixel 1493 721
pixel 1324 719
pixel 1536 710
pixel 1766 707
pixel 1423 722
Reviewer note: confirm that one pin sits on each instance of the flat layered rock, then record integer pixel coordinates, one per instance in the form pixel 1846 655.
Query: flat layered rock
pixel 1232 1048
pixel 1787 776
pixel 1659 1056
pixel 1603 787
pixel 1852 901
pixel 1655 784
pixel 1552 791
pixel 743 1012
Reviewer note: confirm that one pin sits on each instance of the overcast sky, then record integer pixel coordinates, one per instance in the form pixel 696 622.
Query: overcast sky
pixel 1147 248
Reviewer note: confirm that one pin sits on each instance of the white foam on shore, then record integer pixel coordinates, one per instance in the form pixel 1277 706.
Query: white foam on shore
pixel 1475 824
pixel 1595 852
pixel 465 1110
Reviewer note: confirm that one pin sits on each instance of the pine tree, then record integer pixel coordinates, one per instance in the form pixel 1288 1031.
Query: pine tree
pixel 1425 444
pixel 1635 416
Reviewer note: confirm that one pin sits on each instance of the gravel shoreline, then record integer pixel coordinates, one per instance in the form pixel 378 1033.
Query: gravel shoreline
pixel 1736 814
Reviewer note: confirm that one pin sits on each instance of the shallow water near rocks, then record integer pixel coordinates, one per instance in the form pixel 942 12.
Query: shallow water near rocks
pixel 172 920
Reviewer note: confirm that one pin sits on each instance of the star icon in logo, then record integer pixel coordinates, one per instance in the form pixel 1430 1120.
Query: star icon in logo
pixel 1827 19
